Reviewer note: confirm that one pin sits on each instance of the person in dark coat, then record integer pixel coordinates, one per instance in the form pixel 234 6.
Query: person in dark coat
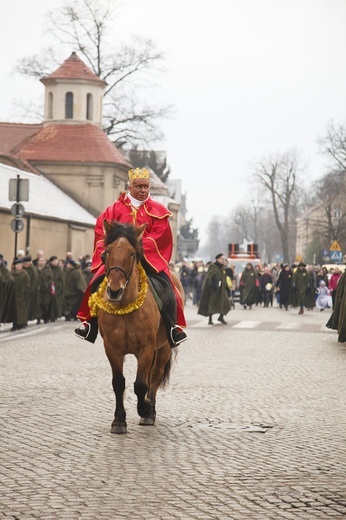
pixel 58 279
pixel 283 285
pixel 87 272
pixel 300 283
pixel 75 286
pixel 337 320
pixel 266 287
pixel 7 295
pixel 21 291
pixel 33 300
pixel 249 284
pixel 198 283
pixel 45 282
pixel 214 298
pixel 311 291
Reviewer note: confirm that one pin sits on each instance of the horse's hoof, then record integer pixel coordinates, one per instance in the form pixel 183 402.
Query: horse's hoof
pixel 118 428
pixel 147 421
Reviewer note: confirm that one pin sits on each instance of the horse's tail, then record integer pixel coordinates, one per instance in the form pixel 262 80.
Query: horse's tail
pixel 167 369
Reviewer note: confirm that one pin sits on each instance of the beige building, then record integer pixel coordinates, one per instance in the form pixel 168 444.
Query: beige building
pixel 70 149
pixel 311 232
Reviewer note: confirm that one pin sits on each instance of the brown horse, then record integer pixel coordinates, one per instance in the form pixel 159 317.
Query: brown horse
pixel 130 322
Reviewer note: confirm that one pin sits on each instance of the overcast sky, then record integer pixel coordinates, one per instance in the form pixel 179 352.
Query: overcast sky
pixel 247 78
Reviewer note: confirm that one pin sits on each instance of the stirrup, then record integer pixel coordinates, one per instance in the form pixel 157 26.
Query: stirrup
pixel 182 336
pixel 83 330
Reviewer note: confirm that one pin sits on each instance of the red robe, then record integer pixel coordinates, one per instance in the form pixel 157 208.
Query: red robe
pixel 156 241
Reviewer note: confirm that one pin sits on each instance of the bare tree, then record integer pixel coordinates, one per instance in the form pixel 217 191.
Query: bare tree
pixel 279 174
pixel 84 26
pixel 333 145
pixel 330 193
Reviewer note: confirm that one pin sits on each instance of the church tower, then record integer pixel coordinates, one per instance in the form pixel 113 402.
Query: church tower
pixel 73 94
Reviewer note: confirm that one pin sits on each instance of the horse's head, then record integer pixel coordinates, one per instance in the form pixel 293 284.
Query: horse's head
pixel 123 249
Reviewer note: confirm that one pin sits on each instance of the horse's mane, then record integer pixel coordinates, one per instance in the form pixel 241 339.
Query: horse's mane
pixel 127 231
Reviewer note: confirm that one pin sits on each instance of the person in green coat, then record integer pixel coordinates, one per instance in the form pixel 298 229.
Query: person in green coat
pixel 249 283
pixel 75 286
pixel 7 295
pixel 214 297
pixel 58 279
pixel 45 281
pixel 34 289
pixel 21 291
pixel 300 283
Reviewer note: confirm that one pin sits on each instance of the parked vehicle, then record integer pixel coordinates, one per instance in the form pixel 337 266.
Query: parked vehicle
pixel 239 259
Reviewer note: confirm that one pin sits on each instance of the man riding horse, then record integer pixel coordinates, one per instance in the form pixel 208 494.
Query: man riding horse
pixel 137 207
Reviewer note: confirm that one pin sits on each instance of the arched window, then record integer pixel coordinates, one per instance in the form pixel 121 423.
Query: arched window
pixel 89 107
pixel 69 105
pixel 50 105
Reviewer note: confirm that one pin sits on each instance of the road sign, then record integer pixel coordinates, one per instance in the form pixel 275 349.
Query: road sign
pixel 17 225
pixel 335 256
pixel 18 189
pixel 17 210
pixel 335 246
pixel 325 255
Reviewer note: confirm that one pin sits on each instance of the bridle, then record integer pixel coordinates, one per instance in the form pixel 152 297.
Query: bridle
pixel 119 268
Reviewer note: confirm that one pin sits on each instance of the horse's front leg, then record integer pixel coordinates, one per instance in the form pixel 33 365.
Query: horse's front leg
pixel 118 382
pixel 141 386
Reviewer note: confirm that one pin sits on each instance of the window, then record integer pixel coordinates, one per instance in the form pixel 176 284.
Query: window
pixel 337 213
pixel 89 107
pixel 69 105
pixel 50 105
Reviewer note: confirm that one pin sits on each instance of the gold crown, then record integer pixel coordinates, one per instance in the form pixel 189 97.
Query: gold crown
pixel 138 173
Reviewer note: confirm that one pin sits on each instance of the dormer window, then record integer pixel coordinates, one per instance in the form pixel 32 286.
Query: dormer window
pixel 69 105
pixel 89 107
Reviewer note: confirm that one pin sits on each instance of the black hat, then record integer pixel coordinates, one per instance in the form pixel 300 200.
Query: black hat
pixel 71 262
pixel 218 256
pixel 26 258
pixel 301 264
pixel 17 261
pixel 52 258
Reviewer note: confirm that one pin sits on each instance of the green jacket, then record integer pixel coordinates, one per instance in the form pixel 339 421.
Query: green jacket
pixel 214 298
pixel 21 291
pixel 249 283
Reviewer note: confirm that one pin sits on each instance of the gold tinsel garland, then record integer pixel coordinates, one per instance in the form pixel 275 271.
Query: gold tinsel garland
pixel 96 300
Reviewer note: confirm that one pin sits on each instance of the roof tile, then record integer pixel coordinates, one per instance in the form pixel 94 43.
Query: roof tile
pixel 72 143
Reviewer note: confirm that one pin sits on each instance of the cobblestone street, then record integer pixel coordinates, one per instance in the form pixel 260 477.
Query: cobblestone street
pixel 251 426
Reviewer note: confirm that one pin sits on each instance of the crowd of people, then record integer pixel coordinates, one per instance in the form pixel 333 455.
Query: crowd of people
pixel 46 289
pixel 300 286
pixel 41 289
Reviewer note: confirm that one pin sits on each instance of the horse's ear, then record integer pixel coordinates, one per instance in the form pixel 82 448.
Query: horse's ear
pixel 140 229
pixel 106 226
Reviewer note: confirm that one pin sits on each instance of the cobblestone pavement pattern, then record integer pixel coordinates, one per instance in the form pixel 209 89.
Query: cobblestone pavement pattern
pixel 251 426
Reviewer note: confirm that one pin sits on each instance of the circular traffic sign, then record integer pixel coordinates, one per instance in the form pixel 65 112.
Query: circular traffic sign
pixel 17 225
pixel 17 210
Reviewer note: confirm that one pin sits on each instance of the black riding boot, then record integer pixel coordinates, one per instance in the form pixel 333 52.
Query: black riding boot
pixel 175 333
pixel 210 322
pixel 222 320
pixel 89 329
